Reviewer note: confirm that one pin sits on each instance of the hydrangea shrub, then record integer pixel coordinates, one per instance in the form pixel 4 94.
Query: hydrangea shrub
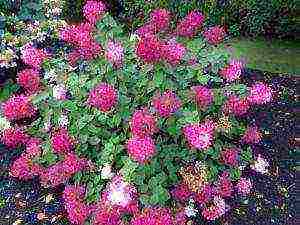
pixel 141 129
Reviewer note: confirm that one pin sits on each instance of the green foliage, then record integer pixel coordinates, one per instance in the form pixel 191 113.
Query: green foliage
pixel 101 136
pixel 250 17
pixel 7 90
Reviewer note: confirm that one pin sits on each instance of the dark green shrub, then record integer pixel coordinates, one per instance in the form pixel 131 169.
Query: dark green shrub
pixel 250 17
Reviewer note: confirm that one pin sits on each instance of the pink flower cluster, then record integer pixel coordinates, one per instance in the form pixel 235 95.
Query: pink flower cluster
pixel 107 216
pixel 244 186
pixel 103 97
pixel 18 107
pixel 252 135
pixel 14 137
pixel 29 80
pixel 77 210
pixel 61 142
pixel 121 195
pixel 141 149
pixel 166 104
pixel 93 10
pixel 199 136
pixel 189 25
pixel 115 53
pixel 141 146
pixel 214 35
pixel 236 106
pixel 206 194
pixel 232 71
pixel 149 49
pixel 153 216
pixel 203 96
pixel 32 56
pixel 260 93
pixel 24 168
pixel 230 156
pixel 215 211
pixel 181 192
pixel 173 52
pixel 143 123
pixel 80 36
pixel 63 170
pixel 118 198
pixel 224 186
pixel 159 21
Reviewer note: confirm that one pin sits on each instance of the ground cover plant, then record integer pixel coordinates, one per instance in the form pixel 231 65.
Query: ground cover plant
pixel 147 128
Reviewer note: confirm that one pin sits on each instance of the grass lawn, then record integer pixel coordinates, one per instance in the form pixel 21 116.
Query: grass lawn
pixel 272 56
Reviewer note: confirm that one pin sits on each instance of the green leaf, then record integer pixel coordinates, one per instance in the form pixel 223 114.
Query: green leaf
pixel 129 168
pixel 246 155
pixel 160 195
pixel 84 120
pixel 69 105
pixel 202 79
pixel 145 199
pixel 235 174
pixel 94 140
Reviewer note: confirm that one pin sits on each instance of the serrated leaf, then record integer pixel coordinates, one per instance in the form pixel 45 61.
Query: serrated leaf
pixel 235 174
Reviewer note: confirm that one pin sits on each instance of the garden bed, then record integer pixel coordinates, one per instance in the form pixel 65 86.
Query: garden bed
pixel 273 203
pixel 159 126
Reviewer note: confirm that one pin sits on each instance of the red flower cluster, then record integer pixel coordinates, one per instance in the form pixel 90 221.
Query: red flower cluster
pixel 153 216
pixel 18 107
pixel 230 156
pixel 14 138
pixel 173 52
pixel 252 135
pixel 232 71
pixel 141 149
pixel 260 93
pixel 216 210
pixel 214 35
pixel 149 49
pixel 63 170
pixel 224 186
pixel 160 19
pixel 24 168
pixel 181 192
pixel 61 142
pixel 93 10
pixel 145 30
pixel 141 146
pixel 166 104
pixel 77 210
pixel 32 56
pixel 107 216
pixel 103 97
pixel 80 36
pixel 236 106
pixel 143 123
pixel 203 96
pixel 206 194
pixel 189 25
pixel 29 79
pixel 199 136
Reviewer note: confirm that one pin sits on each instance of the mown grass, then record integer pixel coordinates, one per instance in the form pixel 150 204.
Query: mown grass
pixel 276 56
